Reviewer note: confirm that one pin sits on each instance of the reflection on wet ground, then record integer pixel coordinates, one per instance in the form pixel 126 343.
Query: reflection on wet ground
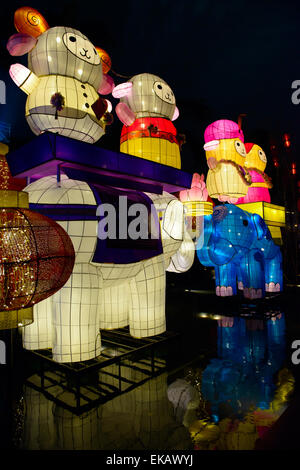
pixel 140 419
pixel 238 399
pixel 228 383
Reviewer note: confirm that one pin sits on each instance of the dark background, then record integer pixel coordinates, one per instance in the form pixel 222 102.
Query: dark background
pixel 220 58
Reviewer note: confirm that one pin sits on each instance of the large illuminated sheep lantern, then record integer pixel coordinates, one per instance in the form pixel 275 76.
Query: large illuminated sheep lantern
pixel 63 78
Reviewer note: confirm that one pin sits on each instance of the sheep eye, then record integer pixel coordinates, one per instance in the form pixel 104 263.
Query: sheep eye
pixel 72 38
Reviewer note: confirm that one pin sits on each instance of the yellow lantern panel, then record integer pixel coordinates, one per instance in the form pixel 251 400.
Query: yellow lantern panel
pixel 227 180
pixel 273 215
pixel 16 318
pixel 157 150
pixel 14 199
pixel 198 208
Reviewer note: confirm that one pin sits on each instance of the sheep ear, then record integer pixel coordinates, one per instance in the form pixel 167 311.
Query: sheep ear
pixel 125 114
pixel 124 89
pixel 20 44
pixel 107 85
pixel 176 114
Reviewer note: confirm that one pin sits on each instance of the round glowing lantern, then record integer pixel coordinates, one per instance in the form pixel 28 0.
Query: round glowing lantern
pixel 36 259
pixel 63 79
pixel 147 107
pixel 227 178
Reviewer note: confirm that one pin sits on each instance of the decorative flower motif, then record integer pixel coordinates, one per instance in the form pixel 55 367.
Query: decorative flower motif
pixel 58 101
pixel 152 129
pixel 198 191
pixel 219 213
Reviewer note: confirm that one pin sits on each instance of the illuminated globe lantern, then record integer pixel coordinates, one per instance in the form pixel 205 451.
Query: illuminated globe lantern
pixel 147 108
pixel 255 163
pixel 63 78
pixel 36 255
pixel 227 178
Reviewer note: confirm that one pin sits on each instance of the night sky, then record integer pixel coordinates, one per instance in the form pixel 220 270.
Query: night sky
pixel 221 58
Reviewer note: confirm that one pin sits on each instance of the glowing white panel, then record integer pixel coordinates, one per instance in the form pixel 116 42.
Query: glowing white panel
pixel 107 295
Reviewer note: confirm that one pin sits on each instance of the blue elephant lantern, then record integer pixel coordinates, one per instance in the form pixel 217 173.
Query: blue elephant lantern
pixel 239 246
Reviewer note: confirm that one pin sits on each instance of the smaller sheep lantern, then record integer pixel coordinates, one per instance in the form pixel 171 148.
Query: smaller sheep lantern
pixel 147 107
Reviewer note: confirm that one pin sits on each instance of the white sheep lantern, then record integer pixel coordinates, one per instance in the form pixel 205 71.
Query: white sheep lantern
pixel 63 79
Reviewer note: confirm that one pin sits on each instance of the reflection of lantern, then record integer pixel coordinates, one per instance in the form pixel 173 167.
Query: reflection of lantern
pixel 227 179
pixel 62 81
pixel 146 109
pixel 255 163
pixel 256 345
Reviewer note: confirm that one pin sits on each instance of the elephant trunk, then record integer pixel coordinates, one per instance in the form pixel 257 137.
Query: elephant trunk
pixel 183 259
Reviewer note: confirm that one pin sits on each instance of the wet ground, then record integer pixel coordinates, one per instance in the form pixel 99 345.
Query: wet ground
pixel 228 379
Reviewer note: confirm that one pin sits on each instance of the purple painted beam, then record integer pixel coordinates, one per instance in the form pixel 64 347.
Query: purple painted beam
pixel 48 152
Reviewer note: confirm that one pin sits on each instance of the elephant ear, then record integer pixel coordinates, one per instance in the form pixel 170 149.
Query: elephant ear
pixel 221 252
pixel 260 226
pixel 173 221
